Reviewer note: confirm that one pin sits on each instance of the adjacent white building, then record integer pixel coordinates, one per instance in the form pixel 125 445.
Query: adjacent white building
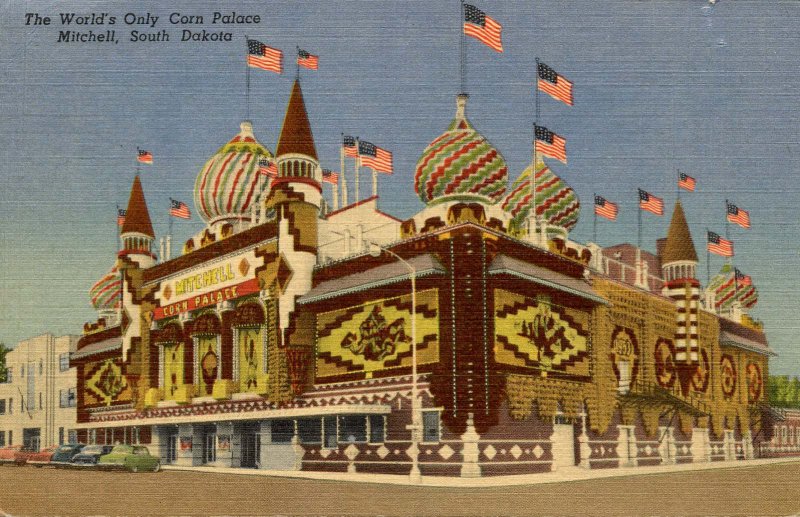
pixel 37 403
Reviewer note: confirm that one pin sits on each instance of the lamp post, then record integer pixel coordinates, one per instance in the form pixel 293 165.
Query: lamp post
pixel 416 425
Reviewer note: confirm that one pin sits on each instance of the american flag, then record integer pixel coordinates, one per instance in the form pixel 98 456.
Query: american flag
pixel 482 27
pixel 307 60
pixel 742 279
pixel 738 216
pixel 143 156
pixel 121 213
pixel 605 208
pixel 264 57
pixel 554 85
pixel 686 182
pixel 651 203
pixel 550 144
pixel 179 209
pixel 719 246
pixel 374 157
pixel 328 176
pixel 268 168
pixel 349 146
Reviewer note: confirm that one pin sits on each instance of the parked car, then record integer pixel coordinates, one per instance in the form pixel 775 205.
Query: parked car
pixel 43 457
pixel 89 455
pixel 134 458
pixel 65 453
pixel 21 456
pixel 7 453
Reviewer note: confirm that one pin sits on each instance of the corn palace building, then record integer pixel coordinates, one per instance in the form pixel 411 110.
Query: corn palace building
pixel 286 335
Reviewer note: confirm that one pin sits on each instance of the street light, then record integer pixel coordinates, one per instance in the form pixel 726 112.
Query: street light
pixel 416 426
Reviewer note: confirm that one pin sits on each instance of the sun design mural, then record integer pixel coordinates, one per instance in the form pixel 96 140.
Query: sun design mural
pixel 727 375
pixel 755 382
pixel 532 334
pixel 665 363
pixel 107 383
pixel 377 336
pixel 701 375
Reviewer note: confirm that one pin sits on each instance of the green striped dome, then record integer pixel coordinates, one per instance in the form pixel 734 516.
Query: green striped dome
pixel 461 163
pixel 556 202
pixel 726 291
pixel 229 184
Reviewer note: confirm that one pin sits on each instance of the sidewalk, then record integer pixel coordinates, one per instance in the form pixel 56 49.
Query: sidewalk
pixel 562 475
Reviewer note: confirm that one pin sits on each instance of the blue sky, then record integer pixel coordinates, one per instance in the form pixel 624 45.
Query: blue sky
pixel 659 86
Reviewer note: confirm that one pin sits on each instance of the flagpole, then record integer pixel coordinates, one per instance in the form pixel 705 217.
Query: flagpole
pixel 594 223
pixel 247 81
pixel 679 184
pixel 357 163
pixel 708 261
pixel 344 175
pixel 116 237
pixel 639 243
pixel 463 50
pixel 170 219
pixel 727 229
pixel 297 63
pixel 138 163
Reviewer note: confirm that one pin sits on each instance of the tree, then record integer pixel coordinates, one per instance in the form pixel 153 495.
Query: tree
pixel 3 370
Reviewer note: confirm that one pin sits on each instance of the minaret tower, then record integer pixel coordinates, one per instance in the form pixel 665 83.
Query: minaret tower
pixel 137 232
pixel 679 267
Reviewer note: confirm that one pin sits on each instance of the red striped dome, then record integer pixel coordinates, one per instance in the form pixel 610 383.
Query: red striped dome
pixel 229 184
pixel 106 293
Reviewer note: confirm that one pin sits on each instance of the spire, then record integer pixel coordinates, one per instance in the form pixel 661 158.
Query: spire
pixel 679 245
pixel 137 219
pixel 296 137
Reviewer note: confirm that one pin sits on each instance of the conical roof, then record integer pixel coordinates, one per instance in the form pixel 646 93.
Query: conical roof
pixel 137 218
pixel 296 134
pixel 679 246
pixel 461 163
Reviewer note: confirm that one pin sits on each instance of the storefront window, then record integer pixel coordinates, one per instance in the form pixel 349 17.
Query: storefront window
pixel 282 431
pixel 330 431
pixel 208 364
pixel 250 358
pixel 430 426
pixel 376 428
pixel 173 370
pixel 352 428
pixel 310 430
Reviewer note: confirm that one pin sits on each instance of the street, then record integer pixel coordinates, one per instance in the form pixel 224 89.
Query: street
pixel 747 491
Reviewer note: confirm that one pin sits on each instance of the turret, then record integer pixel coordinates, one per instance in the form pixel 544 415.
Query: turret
pixel 137 232
pixel 679 266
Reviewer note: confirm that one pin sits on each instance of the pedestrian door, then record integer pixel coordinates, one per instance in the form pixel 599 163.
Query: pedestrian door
pixel 563 443
pixel 172 447
pixel 31 438
pixel 250 449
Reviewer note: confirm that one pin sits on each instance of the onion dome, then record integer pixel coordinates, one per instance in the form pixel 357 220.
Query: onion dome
pixel 229 184
pixel 727 289
pixel 556 202
pixel 106 293
pixel 461 163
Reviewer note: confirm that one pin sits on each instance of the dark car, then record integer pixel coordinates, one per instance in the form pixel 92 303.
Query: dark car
pixel 89 455
pixel 64 454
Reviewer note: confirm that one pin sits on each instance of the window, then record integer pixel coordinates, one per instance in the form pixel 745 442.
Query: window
pixel 352 428
pixel 309 430
pixel 10 408
pixel 62 398
pixel 376 428
pixel 10 437
pixel 282 431
pixel 40 400
pixel 61 436
pixel 72 436
pixel 72 399
pixel 63 362
pixel 2 438
pixel 2 406
pixel 92 436
pixel 430 426
pixel 330 431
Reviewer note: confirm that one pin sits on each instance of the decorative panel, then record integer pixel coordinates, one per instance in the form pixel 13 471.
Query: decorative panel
pixel 377 335
pixel 105 384
pixel 541 335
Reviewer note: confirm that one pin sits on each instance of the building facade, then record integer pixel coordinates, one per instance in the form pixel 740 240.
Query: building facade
pixel 38 401
pixel 472 339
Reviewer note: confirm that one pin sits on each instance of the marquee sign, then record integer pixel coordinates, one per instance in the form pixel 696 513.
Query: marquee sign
pixel 217 281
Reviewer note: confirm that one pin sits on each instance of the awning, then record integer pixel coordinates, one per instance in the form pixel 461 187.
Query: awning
pixel 731 339
pixel 173 416
pixel 378 276
pixel 99 347
pixel 505 265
